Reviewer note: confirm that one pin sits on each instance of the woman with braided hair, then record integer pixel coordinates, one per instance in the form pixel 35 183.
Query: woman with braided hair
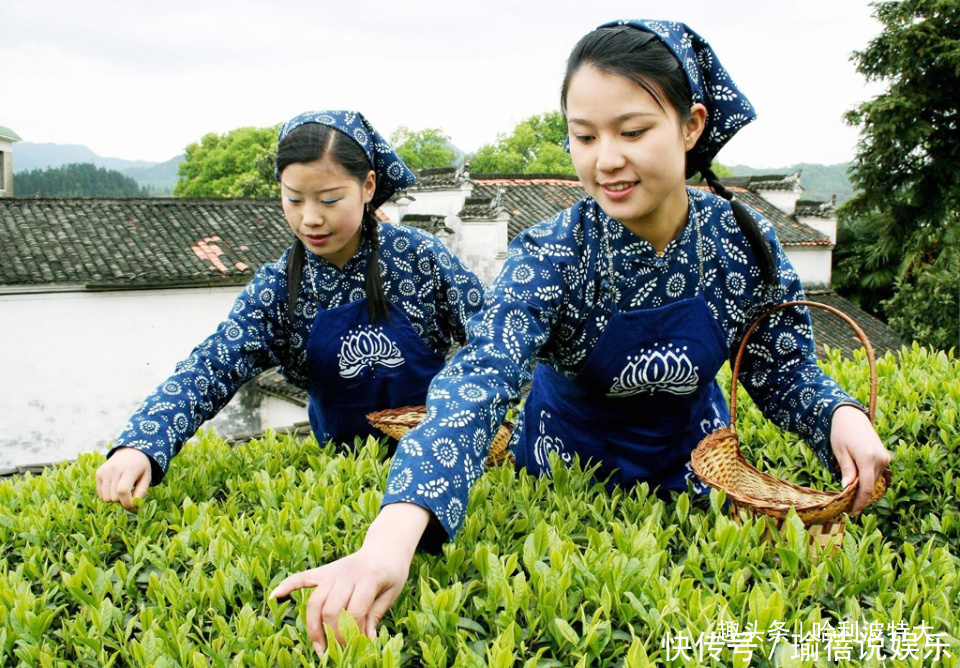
pixel 359 313
pixel 630 300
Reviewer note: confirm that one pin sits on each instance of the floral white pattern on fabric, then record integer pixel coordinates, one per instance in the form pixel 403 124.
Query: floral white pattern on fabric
pixel 545 444
pixel 365 347
pixel 666 370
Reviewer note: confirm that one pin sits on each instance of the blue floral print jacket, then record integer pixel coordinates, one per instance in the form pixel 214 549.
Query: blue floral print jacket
pixel 551 302
pixel 430 284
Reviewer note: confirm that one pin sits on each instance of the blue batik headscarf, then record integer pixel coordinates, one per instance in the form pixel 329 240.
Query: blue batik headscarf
pixel 728 109
pixel 392 174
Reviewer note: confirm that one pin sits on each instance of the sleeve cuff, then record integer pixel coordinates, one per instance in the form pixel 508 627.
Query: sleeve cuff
pixel 438 531
pixel 820 440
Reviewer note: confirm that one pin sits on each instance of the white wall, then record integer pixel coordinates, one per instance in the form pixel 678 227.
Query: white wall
pixel 825 226
pixel 276 412
pixel 785 200
pixel 813 264
pixel 446 202
pixel 483 246
pixel 76 365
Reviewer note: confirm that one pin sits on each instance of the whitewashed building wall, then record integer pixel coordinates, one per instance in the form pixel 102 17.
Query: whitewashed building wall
pixel 77 364
pixel 813 265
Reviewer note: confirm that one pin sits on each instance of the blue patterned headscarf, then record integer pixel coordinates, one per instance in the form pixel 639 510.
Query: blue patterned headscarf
pixel 728 109
pixel 392 174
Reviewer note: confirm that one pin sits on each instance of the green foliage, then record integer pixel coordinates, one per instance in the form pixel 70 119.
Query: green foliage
pixel 908 158
pixel 544 573
pixel 423 149
pixel 864 265
pixel 238 164
pixel 76 180
pixel 926 306
pixel 534 147
pixel 722 171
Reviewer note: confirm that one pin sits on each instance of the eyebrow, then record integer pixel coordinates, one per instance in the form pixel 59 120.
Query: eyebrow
pixel 619 119
pixel 322 190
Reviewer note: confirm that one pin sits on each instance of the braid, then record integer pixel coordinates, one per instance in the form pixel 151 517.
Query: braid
pixel 376 299
pixel 746 223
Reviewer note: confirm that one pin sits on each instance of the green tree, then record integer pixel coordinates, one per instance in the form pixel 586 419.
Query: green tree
pixel 534 147
pixel 908 158
pixel 77 180
pixel 862 266
pixel 925 303
pixel 423 149
pixel 236 164
pixel 722 171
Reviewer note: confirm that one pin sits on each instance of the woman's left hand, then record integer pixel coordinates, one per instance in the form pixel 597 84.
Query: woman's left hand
pixel 858 450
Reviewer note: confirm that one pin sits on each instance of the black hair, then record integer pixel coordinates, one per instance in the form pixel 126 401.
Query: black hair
pixel 314 141
pixel 641 57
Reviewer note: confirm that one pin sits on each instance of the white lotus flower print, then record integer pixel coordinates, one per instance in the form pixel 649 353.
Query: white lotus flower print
pixel 666 370
pixel 365 347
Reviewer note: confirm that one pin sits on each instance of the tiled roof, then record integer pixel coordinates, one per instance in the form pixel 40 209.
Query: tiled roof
pixel 765 181
pixel 528 198
pixel 440 177
pixel 272 383
pixel 830 330
pixel 104 243
pixel 427 221
pixel 482 206
pixel 815 208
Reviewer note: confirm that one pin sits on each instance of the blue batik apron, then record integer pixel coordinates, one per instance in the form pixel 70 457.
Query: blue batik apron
pixel 645 397
pixel 356 368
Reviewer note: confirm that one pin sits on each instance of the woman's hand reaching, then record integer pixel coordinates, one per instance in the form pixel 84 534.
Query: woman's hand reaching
pixel 858 450
pixel 365 583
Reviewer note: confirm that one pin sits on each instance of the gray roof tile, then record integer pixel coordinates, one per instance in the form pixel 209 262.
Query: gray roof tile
pixel 830 330
pixel 102 243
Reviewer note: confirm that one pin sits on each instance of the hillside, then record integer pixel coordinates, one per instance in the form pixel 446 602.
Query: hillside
pixel 820 182
pixel 157 177
pixel 77 180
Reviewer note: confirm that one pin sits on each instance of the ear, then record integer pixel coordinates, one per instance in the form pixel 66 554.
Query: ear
pixel 369 186
pixel 693 128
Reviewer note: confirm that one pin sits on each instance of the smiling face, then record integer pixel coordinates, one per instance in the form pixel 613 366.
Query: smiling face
pixel 324 207
pixel 630 152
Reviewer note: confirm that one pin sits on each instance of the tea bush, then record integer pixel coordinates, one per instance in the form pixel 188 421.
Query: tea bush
pixel 544 573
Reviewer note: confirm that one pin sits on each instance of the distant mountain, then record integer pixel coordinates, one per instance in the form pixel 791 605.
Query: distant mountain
pixel 157 177
pixel 820 182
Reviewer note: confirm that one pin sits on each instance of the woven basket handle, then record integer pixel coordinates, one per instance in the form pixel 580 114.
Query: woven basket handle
pixel 860 334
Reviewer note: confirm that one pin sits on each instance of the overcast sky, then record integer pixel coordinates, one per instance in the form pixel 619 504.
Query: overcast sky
pixel 141 80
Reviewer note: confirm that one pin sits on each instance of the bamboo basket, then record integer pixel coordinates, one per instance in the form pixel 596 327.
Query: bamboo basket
pixel 718 462
pixel 395 422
